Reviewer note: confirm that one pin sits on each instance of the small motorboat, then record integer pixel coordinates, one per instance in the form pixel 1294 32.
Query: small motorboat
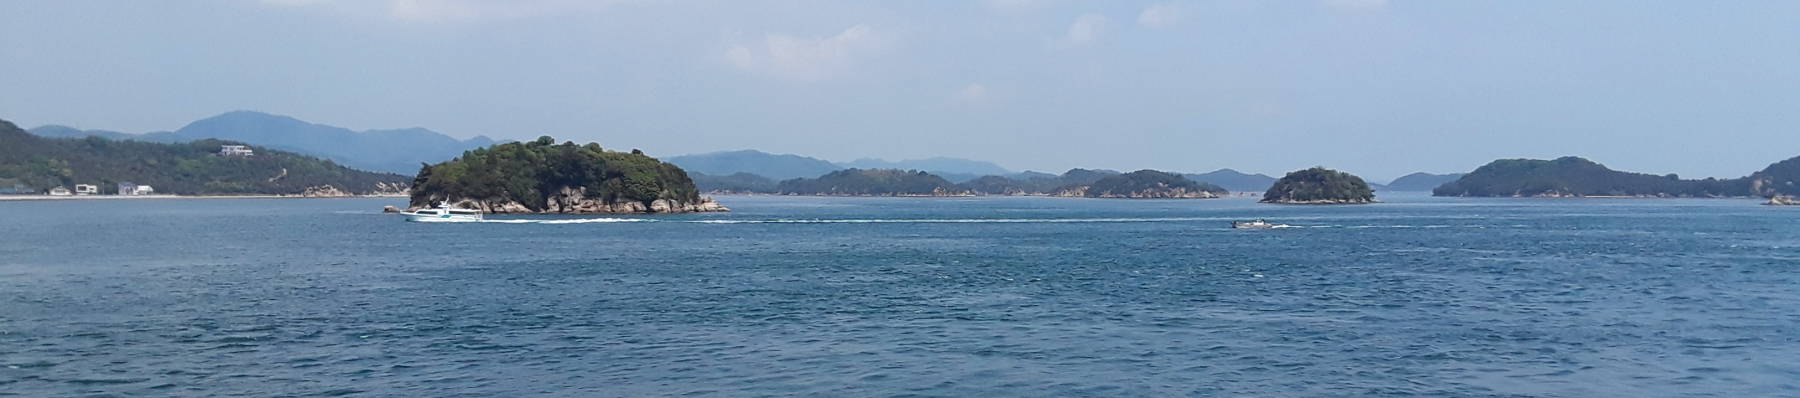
pixel 443 213
pixel 1257 224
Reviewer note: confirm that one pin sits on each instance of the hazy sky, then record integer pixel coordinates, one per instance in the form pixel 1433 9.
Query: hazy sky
pixel 1378 88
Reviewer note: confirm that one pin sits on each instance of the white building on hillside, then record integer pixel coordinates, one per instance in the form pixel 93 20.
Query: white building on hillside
pixel 235 150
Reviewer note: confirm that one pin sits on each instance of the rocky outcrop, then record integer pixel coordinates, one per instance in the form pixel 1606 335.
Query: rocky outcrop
pixel 575 201
pixel 390 209
pixel 325 191
pixel 1783 200
pixel 389 189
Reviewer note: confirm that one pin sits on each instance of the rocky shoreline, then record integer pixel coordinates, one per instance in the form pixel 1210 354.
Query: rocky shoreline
pixel 576 201
pixel 1783 200
pixel 1322 202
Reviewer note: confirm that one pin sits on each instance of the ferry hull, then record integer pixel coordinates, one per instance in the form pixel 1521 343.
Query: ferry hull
pixel 442 218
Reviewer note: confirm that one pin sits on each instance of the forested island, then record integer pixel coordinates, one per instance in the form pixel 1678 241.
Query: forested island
pixel 1074 183
pixel 542 176
pixel 871 182
pixel 1319 185
pixel 1577 177
pixel 34 164
pixel 1145 184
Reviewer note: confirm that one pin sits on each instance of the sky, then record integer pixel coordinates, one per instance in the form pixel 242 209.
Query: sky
pixel 1379 88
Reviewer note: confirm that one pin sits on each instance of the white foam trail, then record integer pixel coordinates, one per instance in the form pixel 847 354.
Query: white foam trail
pixel 566 221
pixel 951 220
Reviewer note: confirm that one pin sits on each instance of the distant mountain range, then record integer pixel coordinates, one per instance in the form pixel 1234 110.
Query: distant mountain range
pixel 784 167
pixel 764 164
pixel 1234 180
pixel 937 165
pixel 395 151
pixel 41 163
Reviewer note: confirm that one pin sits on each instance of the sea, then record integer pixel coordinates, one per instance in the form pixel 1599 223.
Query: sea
pixel 905 297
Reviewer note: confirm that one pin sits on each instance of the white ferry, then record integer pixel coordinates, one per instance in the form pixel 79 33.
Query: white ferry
pixel 1258 224
pixel 443 213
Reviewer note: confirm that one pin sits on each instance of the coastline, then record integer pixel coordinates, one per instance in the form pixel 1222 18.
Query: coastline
pixel 4 198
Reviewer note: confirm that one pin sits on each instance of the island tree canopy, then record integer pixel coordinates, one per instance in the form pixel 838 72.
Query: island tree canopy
pixel 530 172
pixel 1319 185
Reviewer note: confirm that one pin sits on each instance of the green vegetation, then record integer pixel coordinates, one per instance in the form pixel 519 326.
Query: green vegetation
pixel 871 182
pixel 1035 183
pixel 735 183
pixel 1151 184
pixel 1573 176
pixel 1319 185
pixel 187 169
pixel 1781 178
pixel 530 173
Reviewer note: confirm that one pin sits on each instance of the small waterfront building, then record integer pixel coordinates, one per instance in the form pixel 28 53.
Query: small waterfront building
pixel 87 189
pixel 126 188
pixel 145 190
pixel 235 150
pixel 60 191
pixel 17 189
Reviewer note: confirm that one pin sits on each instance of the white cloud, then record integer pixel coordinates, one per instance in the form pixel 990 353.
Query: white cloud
pixel 1158 16
pixel 974 93
pixel 802 58
pixel 1087 29
pixel 1356 4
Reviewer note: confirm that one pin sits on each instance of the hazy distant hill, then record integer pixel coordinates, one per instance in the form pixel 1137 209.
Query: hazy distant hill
pixel 394 151
pixel 780 167
pixel 941 166
pixel 1421 182
pixel 1034 183
pixel 193 167
pixel 1574 176
pixel 783 167
pixel 397 151
pixel 734 183
pixel 56 131
pixel 865 182
pixel 1234 180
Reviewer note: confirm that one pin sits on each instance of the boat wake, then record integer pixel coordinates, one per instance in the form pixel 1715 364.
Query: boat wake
pixel 954 220
pixel 565 220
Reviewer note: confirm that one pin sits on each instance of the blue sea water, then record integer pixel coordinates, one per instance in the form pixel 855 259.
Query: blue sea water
pixel 832 297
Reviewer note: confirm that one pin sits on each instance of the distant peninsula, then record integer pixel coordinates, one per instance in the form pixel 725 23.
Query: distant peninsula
pixel 93 165
pixel 1089 183
pixel 1145 184
pixel 545 177
pixel 871 182
pixel 1577 177
pixel 1319 185
pixel 392 151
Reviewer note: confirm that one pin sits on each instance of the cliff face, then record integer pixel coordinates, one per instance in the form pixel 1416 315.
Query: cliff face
pixel 576 201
